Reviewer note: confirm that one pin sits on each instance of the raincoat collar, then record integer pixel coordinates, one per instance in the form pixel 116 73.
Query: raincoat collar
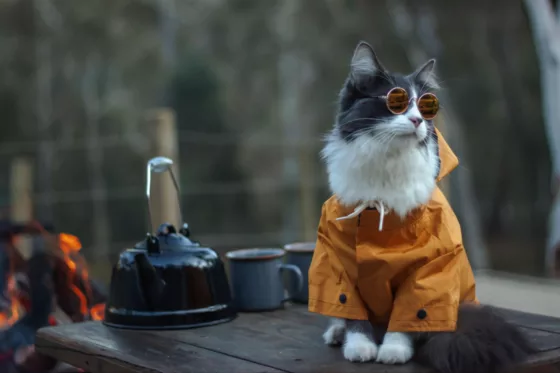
pixel 371 217
pixel 448 162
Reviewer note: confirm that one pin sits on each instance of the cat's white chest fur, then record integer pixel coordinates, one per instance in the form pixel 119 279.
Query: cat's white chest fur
pixel 365 170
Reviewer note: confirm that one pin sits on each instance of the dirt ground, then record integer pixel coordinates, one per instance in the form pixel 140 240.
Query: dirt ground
pixel 519 292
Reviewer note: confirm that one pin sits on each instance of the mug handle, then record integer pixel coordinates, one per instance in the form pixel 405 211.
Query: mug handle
pixel 299 277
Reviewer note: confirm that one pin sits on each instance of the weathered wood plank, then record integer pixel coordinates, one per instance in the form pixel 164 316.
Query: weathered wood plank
pixel 530 324
pixel 282 344
pixel 292 341
pixel 281 341
pixel 535 365
pixel 98 349
pixel 541 322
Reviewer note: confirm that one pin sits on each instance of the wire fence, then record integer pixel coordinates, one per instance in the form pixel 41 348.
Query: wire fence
pixel 184 137
pixel 253 186
pixel 257 186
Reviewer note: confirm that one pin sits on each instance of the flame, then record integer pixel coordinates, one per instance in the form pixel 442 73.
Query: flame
pixel 98 312
pixel 14 309
pixel 14 303
pixel 70 246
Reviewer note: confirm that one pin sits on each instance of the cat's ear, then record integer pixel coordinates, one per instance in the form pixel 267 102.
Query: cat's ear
pixel 365 63
pixel 425 75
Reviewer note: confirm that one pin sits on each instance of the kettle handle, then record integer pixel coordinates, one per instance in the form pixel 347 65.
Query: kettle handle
pixel 150 282
pixel 159 165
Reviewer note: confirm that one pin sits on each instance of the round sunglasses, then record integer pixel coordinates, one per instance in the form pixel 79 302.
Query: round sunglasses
pixel 397 101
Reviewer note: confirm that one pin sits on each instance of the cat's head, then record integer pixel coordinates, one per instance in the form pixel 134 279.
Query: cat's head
pixel 363 111
pixel 374 154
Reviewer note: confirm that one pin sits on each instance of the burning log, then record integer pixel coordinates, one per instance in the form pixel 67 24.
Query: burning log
pixel 20 336
pixel 52 286
pixel 76 293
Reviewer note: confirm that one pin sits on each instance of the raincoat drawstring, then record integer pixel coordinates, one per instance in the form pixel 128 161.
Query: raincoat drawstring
pixel 379 205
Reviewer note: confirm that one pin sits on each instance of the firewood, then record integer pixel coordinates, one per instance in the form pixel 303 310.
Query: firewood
pixel 29 360
pixel 60 316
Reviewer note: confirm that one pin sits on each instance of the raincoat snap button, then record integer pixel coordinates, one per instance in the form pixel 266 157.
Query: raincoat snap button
pixel 342 298
pixel 421 314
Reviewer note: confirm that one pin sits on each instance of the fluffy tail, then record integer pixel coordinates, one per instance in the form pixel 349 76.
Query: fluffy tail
pixel 483 343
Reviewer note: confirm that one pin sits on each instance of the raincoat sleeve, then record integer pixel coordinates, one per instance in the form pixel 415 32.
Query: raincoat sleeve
pixel 333 271
pixel 429 299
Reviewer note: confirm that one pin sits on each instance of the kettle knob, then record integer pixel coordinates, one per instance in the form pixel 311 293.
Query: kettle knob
pixel 166 228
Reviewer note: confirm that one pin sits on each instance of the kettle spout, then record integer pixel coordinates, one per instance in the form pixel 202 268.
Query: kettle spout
pixel 151 284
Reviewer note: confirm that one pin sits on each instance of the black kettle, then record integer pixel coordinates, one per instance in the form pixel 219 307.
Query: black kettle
pixel 168 280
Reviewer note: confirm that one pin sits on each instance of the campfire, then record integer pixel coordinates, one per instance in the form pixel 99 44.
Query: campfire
pixel 48 286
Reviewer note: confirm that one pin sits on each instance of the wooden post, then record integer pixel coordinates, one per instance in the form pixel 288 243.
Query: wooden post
pixel 21 192
pixel 164 203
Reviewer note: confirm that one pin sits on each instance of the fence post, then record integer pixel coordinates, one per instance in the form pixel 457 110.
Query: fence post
pixel 164 204
pixel 21 195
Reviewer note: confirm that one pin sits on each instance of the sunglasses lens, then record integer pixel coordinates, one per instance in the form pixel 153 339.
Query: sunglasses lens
pixel 397 100
pixel 428 105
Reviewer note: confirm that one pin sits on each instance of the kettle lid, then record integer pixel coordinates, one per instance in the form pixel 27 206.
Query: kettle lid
pixel 167 239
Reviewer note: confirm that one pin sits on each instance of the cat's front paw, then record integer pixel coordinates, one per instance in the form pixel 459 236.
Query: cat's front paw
pixel 394 353
pixel 334 335
pixel 358 347
pixel 397 348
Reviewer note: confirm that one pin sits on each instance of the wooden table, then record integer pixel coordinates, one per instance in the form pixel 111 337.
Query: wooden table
pixel 281 341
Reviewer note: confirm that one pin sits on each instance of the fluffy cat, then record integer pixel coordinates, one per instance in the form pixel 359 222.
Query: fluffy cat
pixel 379 159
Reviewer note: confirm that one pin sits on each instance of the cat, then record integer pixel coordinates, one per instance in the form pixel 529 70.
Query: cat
pixel 374 155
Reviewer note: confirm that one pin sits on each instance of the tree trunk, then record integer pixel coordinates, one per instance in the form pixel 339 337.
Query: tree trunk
pixel 91 102
pixel 168 24
pixel 546 33
pixel 289 100
pixel 43 111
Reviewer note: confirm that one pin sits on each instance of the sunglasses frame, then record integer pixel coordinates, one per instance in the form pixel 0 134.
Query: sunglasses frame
pixel 386 98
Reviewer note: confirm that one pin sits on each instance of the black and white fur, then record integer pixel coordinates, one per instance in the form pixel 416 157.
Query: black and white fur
pixel 372 156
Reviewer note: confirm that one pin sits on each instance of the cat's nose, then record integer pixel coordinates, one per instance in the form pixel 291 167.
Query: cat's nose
pixel 416 121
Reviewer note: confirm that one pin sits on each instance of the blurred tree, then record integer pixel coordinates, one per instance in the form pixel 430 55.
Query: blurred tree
pixel 196 99
pixel 545 21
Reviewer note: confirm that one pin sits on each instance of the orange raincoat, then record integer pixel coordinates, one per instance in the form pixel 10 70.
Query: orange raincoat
pixel 412 275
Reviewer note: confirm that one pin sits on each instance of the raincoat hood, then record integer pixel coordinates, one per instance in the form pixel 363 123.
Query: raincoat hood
pixel 448 160
pixel 411 276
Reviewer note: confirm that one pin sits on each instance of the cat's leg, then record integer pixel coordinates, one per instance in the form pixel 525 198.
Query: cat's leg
pixel 397 348
pixel 334 335
pixel 359 344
